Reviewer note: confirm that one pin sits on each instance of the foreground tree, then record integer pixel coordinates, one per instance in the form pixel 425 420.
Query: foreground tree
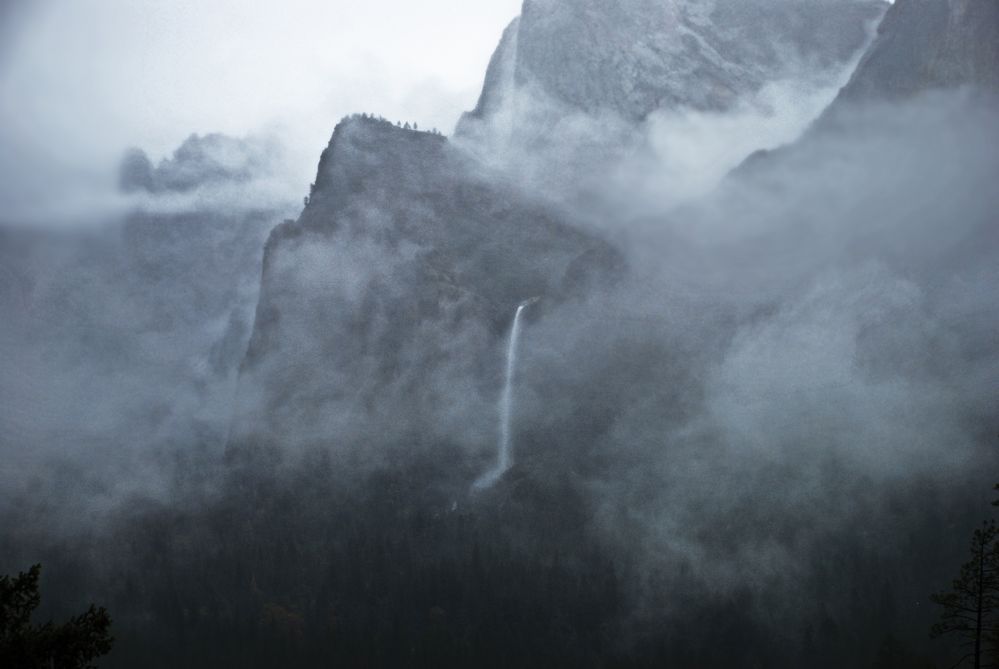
pixel 73 645
pixel 971 608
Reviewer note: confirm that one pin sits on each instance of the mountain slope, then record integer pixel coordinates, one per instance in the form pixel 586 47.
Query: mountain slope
pixel 924 44
pixel 126 338
pixel 632 57
pixel 397 283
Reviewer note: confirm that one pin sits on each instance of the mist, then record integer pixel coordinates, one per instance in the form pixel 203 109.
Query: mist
pixel 80 83
pixel 593 381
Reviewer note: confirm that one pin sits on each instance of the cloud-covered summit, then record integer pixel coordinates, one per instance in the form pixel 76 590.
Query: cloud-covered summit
pixel 210 160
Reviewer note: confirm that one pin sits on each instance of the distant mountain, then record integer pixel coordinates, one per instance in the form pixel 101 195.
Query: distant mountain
pixel 209 160
pixel 630 58
pixel 149 312
pixel 925 44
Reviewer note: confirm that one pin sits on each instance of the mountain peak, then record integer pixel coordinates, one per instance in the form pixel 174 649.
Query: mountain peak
pixel 211 159
pixel 366 149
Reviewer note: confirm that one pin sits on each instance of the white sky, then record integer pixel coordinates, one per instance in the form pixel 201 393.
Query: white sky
pixel 89 77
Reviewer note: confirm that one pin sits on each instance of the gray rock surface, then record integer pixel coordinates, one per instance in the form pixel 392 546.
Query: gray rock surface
pixel 632 57
pixel 400 276
pixel 924 44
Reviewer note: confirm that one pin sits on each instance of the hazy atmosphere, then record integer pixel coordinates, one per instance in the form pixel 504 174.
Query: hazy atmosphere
pixel 541 333
pixel 81 81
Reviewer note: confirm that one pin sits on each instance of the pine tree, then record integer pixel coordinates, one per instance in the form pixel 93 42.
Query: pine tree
pixel 971 608
pixel 72 645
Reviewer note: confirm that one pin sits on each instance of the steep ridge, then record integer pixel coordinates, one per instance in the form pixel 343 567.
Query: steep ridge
pixel 925 44
pixel 397 282
pixel 921 46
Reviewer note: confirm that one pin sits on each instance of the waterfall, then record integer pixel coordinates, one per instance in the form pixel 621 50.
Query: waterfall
pixel 506 406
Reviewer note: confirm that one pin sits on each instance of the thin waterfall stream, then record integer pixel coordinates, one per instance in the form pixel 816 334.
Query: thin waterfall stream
pixel 504 458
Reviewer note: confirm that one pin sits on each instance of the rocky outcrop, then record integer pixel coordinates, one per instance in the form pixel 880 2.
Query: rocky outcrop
pixel 398 281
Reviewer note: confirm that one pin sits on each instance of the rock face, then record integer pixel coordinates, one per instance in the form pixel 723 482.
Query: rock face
pixel 397 283
pixel 211 160
pixel 390 296
pixel 582 89
pixel 924 44
pixel 921 45
pixel 632 57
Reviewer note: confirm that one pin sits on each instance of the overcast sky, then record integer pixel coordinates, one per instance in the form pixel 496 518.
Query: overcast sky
pixel 89 77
